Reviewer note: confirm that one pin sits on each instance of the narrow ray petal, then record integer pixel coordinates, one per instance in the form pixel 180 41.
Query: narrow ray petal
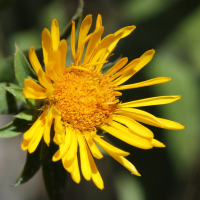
pixel 101 48
pixel 98 21
pixel 96 177
pixel 84 29
pixel 128 165
pixel 143 60
pixel 24 145
pixel 29 134
pixel 49 70
pixel 85 165
pixel 32 94
pixel 63 51
pixel 68 164
pixel 46 44
pixel 157 143
pixel 151 101
pixel 34 60
pixel 117 66
pixel 63 148
pixel 44 79
pixel 76 173
pixel 34 142
pixel 93 43
pixel 138 115
pixel 134 126
pixel 126 136
pixel 108 147
pixel 70 155
pixel 55 56
pixel 55 35
pixel 73 42
pixel 149 82
pixel 126 31
pixel 47 127
pixel 93 148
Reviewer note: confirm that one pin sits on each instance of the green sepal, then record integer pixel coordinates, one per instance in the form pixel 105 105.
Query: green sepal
pixel 8 104
pixel 26 115
pixel 22 67
pixel 7 73
pixel 14 128
pixel 54 174
pixel 32 165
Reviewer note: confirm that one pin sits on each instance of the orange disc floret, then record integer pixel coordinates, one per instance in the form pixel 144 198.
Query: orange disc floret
pixel 84 97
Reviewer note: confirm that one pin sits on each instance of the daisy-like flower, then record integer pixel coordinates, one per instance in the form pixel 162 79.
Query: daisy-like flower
pixel 79 100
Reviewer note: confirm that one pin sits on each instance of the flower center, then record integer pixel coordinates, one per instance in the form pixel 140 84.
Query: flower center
pixel 84 97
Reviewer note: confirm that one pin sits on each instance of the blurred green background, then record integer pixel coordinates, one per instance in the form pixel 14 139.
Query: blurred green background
pixel 172 28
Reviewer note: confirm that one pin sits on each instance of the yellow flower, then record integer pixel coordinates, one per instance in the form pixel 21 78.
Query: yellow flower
pixel 79 100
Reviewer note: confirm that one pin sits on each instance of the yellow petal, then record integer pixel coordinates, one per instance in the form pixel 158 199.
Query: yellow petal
pixel 85 165
pixel 55 35
pixel 49 70
pixel 98 21
pixel 96 177
pixel 31 94
pixel 47 127
pixel 29 83
pixel 73 42
pixel 71 153
pixel 151 101
pixel 117 66
pixel 124 135
pixel 149 82
pixel 142 61
pixel 76 173
pixel 101 48
pixel 134 126
pixel 124 70
pixel 44 79
pixel 58 138
pixel 63 148
pixel 168 124
pixel 128 165
pixel 138 115
pixel 24 145
pixel 68 164
pixel 34 60
pixel 63 51
pixel 93 148
pixel 29 134
pixel 126 31
pixel 46 44
pixel 84 29
pixel 157 143
pixel 35 141
pixel 108 147
pixel 55 57
pixel 93 43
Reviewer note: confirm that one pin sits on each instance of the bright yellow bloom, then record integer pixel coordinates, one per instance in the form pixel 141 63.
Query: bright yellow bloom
pixel 79 100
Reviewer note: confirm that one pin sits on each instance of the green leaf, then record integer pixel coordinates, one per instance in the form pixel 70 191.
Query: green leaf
pixel 31 102
pixel 22 67
pixel 32 165
pixel 55 176
pixel 77 17
pixel 7 73
pixel 26 115
pixel 8 103
pixel 17 92
pixel 14 128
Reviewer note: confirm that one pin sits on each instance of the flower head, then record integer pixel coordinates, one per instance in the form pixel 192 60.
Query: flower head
pixel 79 100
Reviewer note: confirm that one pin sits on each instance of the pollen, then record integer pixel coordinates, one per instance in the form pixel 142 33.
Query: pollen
pixel 85 98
